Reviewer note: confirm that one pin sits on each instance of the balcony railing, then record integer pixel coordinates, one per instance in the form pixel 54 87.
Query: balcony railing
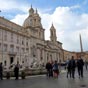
pixel 12 53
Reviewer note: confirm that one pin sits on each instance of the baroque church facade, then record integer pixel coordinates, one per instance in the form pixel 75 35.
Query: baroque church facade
pixel 26 44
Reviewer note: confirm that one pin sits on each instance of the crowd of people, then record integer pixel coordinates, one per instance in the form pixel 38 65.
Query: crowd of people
pixel 16 72
pixel 72 64
pixel 52 69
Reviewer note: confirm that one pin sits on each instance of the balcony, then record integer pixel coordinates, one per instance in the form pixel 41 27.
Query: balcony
pixel 12 53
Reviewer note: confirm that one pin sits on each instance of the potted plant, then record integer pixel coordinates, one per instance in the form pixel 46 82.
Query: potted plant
pixel 8 75
pixel 23 74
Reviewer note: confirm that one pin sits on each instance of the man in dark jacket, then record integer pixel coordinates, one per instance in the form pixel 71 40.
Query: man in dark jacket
pixel 68 68
pixel 73 65
pixel 16 71
pixel 1 71
pixel 80 65
pixel 49 69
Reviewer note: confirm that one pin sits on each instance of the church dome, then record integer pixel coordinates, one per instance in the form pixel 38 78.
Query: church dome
pixel 33 20
pixel 29 20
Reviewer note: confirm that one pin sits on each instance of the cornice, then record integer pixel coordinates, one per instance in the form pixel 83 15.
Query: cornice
pixel 16 32
pixel 4 19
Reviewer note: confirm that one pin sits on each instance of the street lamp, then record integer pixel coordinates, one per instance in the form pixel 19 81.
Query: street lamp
pixel 0 11
pixel 2 46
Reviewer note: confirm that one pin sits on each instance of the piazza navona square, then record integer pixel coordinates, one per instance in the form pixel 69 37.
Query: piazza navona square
pixel 43 44
pixel 27 46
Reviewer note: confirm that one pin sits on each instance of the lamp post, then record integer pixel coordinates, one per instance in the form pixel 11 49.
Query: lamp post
pixel 0 11
pixel 2 46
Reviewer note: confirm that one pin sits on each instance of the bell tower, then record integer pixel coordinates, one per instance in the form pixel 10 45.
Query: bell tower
pixel 53 37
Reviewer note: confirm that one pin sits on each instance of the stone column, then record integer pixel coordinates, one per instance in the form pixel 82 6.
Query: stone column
pixel 38 54
pixel 45 57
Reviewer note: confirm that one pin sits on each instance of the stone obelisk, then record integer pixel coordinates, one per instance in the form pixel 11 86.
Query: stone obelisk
pixel 81 47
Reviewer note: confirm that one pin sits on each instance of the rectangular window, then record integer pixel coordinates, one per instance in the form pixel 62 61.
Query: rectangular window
pixel 11 37
pixel 27 49
pixel 17 39
pixel 11 48
pixel 22 42
pixel 5 48
pixel 0 47
pixel 5 35
pixel 22 50
pixel 23 39
pixel 17 49
pixel 26 43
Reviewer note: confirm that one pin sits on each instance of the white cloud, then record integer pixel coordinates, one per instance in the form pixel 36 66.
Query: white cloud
pixel 19 19
pixel 13 4
pixel 68 25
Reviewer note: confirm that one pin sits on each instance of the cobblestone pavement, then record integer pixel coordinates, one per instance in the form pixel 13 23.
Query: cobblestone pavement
pixel 44 82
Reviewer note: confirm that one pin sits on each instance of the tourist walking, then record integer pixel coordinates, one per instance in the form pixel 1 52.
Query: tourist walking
pixel 80 65
pixel 55 69
pixel 16 72
pixel 68 66
pixel 72 65
pixel 1 71
pixel 49 69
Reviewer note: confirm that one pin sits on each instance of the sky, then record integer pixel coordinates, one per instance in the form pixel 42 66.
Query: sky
pixel 69 17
